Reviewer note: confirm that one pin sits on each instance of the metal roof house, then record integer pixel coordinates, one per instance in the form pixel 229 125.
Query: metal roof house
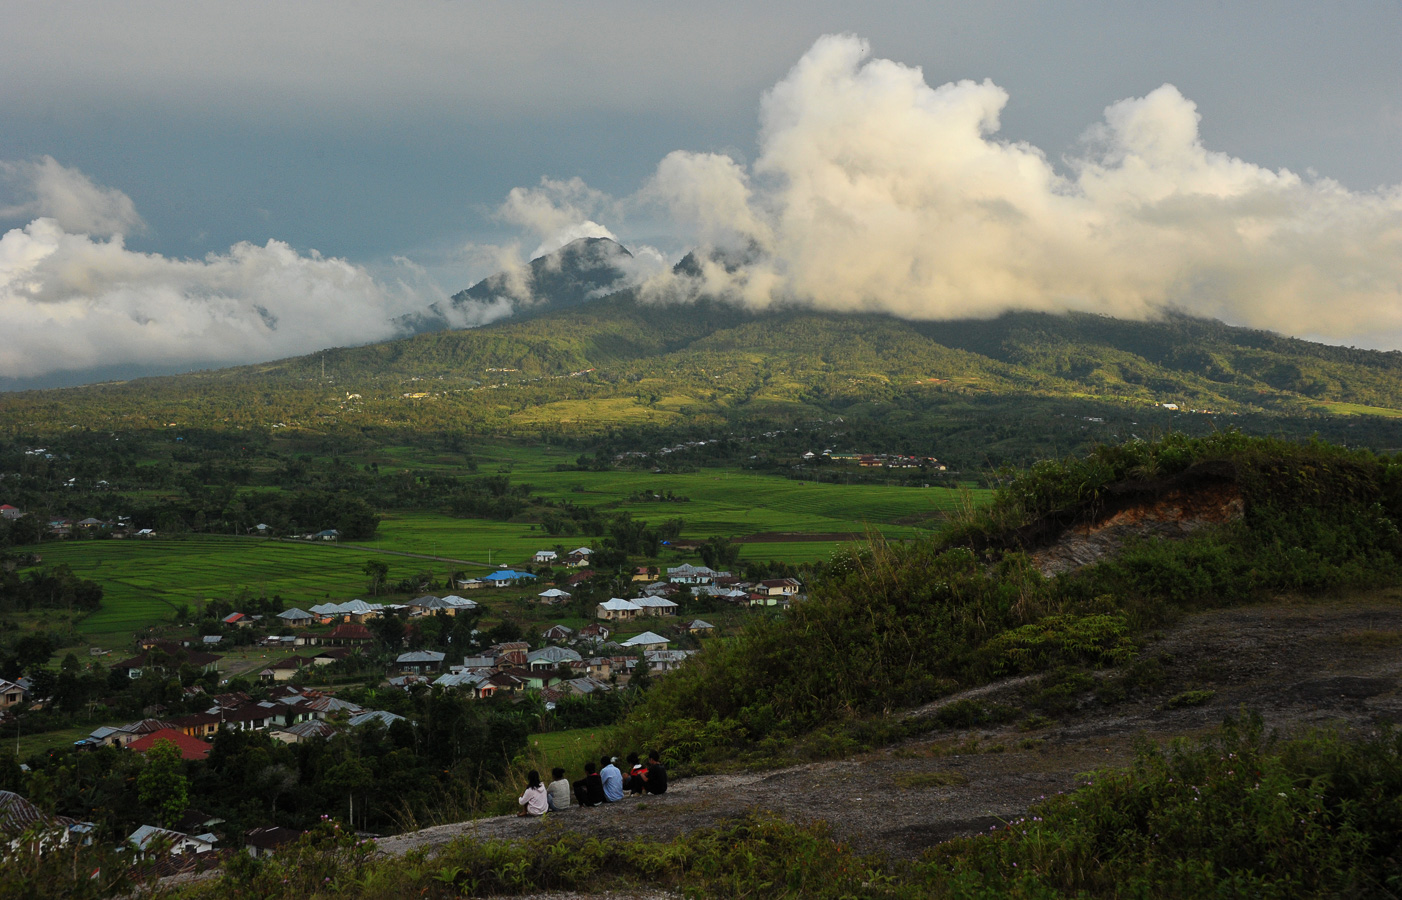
pixel 618 608
pixel 647 641
pixel 507 577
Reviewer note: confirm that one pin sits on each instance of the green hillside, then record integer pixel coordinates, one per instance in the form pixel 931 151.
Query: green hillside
pixel 601 365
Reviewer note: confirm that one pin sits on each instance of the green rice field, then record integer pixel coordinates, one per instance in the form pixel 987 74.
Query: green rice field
pixel 145 581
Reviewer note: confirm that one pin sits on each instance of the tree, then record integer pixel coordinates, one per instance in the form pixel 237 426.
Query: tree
pixel 718 552
pixel 378 573
pixel 161 786
pixel 641 679
pixel 389 628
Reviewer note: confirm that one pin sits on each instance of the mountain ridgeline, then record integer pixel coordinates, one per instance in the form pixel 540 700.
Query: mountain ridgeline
pixel 580 358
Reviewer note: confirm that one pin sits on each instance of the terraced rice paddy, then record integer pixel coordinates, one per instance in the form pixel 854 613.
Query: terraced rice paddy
pixel 144 582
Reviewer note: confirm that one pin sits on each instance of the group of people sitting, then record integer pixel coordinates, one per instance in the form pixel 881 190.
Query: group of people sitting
pixel 604 783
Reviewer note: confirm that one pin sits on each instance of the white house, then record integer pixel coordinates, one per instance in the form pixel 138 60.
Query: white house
pixel 646 641
pixel 689 574
pixel 545 557
pixel 553 596
pixel 618 608
pixel 148 836
pixel 656 606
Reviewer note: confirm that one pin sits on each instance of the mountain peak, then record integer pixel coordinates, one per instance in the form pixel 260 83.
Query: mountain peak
pixel 582 270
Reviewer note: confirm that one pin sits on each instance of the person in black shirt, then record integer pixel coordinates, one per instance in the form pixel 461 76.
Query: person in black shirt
pixel 589 790
pixel 656 774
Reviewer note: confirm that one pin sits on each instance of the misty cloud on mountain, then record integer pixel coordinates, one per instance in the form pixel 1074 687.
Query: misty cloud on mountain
pixel 874 191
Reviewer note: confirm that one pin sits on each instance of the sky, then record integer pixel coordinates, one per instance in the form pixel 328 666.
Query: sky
pixel 190 185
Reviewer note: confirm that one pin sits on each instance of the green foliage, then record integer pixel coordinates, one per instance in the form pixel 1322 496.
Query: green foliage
pixel 162 786
pixel 1189 698
pixel 1067 639
pixel 896 625
pixel 43 863
pixel 1239 815
pixel 326 861
pixel 47 588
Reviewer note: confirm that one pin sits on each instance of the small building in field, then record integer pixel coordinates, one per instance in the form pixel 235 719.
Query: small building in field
pixel 557 634
pixel 554 596
pixel 699 627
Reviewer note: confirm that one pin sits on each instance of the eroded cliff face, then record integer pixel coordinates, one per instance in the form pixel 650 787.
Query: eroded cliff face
pixel 1173 514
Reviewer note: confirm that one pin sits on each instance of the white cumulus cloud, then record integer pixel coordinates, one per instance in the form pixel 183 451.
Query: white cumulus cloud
pixel 46 188
pixel 875 191
pixel 71 302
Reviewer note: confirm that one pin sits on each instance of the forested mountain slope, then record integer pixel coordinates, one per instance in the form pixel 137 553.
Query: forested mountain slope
pixel 578 365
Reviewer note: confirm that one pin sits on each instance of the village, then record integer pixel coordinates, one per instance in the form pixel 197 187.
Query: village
pixel 278 673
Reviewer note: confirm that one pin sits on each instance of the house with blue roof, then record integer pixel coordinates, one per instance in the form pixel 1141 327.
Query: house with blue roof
pixel 507 577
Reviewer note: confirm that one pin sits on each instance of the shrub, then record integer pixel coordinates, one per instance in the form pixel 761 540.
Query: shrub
pixel 1237 815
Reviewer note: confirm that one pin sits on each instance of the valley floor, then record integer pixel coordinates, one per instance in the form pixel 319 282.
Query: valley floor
pixel 1300 663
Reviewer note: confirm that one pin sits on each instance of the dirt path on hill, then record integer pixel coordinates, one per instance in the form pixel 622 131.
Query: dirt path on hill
pixel 1300 664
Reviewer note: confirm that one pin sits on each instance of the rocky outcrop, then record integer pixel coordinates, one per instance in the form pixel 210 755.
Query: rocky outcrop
pixel 1172 514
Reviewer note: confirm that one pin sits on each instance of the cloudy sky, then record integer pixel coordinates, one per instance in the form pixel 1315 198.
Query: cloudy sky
pixel 184 185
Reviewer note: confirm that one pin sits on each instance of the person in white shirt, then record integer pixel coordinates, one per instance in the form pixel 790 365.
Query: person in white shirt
pixel 612 779
pixel 558 793
pixel 534 801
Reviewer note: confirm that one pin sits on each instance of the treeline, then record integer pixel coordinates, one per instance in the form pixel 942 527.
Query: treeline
pixel 45 588
pixel 427 767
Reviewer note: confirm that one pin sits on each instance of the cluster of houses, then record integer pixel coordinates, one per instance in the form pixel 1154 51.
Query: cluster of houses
pixel 289 715
pixel 60 527
pixel 189 844
pixel 880 460
pixel 704 581
pixel 576 559
pixel 591 664
pixel 654 596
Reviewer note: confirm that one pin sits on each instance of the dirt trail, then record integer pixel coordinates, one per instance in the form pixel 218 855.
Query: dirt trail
pixel 1300 664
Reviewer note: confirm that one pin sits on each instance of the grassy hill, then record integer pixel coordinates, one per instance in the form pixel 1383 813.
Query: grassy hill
pixel 593 367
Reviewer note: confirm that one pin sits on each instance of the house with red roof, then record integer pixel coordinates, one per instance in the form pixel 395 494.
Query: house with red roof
pixel 349 635
pixel 190 748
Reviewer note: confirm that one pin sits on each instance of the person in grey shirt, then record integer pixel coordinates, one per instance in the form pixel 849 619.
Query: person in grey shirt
pixel 557 793
pixel 612 779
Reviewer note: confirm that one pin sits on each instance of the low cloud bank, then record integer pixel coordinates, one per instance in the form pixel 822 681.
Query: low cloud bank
pixel 874 191
pixel 73 297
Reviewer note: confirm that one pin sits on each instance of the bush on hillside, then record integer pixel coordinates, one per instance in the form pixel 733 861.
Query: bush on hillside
pixel 897 625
